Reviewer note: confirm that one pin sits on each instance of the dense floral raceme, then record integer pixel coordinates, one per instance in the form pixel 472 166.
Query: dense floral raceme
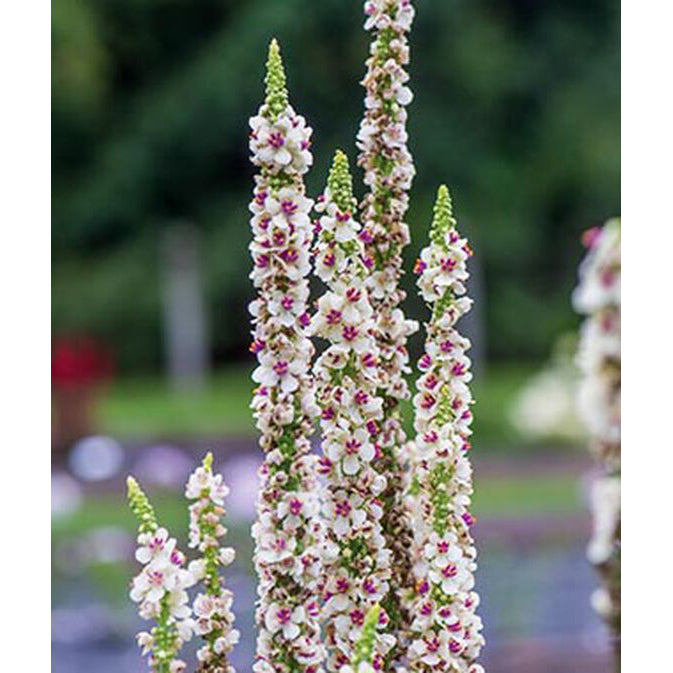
pixel 598 296
pixel 213 618
pixel 160 588
pixel 288 532
pixel 388 174
pixel 446 631
pixel 357 561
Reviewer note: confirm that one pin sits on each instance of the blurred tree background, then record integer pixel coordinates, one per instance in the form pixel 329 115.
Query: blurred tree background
pixel 516 107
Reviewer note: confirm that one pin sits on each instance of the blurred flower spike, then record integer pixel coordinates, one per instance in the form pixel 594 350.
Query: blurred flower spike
pixel 598 297
pixel 160 588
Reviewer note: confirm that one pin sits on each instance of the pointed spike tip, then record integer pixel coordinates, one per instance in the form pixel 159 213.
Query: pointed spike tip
pixel 442 219
pixel 276 100
pixel 340 183
pixel 208 461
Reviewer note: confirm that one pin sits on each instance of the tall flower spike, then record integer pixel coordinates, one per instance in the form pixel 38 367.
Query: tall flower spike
pixel 288 533
pixel 357 561
pixel 598 296
pixel 445 632
pixel 212 607
pixel 389 171
pixel 160 588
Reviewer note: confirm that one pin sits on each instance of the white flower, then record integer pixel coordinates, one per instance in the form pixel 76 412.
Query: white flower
pixel 177 666
pixel 279 372
pixel 153 545
pixel 285 619
pixel 346 512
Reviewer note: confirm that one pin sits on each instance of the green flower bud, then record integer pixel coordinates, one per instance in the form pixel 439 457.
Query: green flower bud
pixel 443 219
pixel 276 100
pixel 340 183
pixel 141 507
pixel 364 648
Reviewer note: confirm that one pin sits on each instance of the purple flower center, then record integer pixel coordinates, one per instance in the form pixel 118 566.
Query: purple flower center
pixel 448 265
pixel 350 333
pixel 343 508
pixel 156 578
pixel 333 317
pixel 366 237
pixel 361 397
pixel 281 368
pixel 157 544
pixel 290 255
pixel 369 586
pixel 420 267
pixel 428 401
pixel 458 369
pixel 368 360
pixel 289 207
pixel 352 446
pixel 353 294
pixel 450 571
pixel 276 140
pixel 284 615
pixel 342 585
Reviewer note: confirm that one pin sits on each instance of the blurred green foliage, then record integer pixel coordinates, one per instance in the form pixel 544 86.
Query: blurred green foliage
pixel 145 408
pixel 516 108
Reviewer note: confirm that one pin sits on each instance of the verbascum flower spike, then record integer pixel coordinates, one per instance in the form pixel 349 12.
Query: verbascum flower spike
pixel 357 561
pixel 214 618
pixel 388 174
pixel 598 297
pixel 288 532
pixel 445 631
pixel 160 588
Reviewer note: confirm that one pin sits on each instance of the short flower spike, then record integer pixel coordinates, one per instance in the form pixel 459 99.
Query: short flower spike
pixel 276 85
